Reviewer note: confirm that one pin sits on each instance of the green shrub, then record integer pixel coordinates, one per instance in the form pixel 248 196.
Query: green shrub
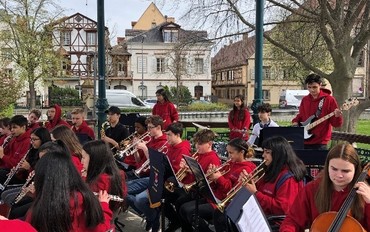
pixel 64 96
pixel 206 107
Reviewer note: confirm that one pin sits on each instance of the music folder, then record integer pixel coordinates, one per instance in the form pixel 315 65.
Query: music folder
pixel 156 177
pixel 201 179
pixel 247 214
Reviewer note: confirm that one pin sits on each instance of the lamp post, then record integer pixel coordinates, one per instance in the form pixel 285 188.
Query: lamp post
pixel 142 67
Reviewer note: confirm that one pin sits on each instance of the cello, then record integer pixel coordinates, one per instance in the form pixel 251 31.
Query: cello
pixel 340 221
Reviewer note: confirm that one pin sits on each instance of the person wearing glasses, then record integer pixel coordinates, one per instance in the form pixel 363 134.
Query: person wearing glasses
pixel 165 108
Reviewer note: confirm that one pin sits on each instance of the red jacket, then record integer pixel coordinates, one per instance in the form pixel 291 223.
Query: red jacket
pixel 84 129
pixel 77 162
pixel 277 201
pixel 50 125
pixel 303 211
pixel 167 112
pixel 78 216
pixel 33 126
pixel 237 124
pixel 224 183
pixel 322 132
pixel 176 152
pixel 15 150
pixel 103 183
pixel 204 161
pixel 15 225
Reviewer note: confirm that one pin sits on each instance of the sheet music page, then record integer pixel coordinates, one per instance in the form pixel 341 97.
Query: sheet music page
pixel 252 218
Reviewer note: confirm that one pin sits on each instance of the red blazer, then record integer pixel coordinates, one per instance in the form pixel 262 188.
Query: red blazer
pixel 176 152
pixel 277 201
pixel 78 216
pixel 15 150
pixel 237 124
pixel 167 112
pixel 204 161
pixel 224 184
pixel 303 211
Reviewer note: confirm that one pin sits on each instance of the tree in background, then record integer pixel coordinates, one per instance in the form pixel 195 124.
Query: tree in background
pixel 26 35
pixel 341 29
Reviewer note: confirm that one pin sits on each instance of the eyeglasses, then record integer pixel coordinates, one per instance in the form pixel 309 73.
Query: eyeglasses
pixel 151 127
pixel 34 139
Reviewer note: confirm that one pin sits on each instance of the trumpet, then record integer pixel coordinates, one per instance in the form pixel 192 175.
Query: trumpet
pixel 255 175
pixel 222 167
pixel 127 141
pixel 179 175
pixel 145 166
pixel 131 149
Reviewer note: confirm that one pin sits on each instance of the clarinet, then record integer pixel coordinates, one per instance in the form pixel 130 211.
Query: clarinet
pixel 13 171
pixel 7 140
pixel 25 188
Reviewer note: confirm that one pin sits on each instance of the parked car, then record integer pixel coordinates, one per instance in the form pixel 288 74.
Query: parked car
pixel 200 102
pixel 292 98
pixel 150 102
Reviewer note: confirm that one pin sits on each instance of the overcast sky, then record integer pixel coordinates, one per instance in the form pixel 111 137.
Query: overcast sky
pixel 118 13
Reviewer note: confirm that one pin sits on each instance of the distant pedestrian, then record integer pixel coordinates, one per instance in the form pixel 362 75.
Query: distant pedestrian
pixel 165 108
pixel 239 119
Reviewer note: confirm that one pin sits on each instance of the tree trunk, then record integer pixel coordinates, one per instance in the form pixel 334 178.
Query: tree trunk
pixel 31 87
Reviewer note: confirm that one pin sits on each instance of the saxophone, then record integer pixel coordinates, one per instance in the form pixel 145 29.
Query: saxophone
pixel 104 126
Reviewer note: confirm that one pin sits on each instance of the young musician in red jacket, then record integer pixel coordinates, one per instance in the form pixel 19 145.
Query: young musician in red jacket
pixel 283 179
pixel 177 149
pixel 54 114
pixel 239 119
pixel 69 138
pixel 165 108
pixel 33 119
pixel 79 126
pixel 17 147
pixel 239 153
pixel 321 134
pixel 74 206
pixel 329 191
pixel 5 133
pixel 101 172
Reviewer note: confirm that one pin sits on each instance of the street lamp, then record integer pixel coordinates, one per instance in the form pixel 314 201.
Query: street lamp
pixel 142 67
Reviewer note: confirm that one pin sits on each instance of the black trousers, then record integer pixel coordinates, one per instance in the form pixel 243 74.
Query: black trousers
pixel 205 213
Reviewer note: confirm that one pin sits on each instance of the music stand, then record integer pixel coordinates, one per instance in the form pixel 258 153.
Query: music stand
pixel 247 214
pixel 156 177
pixel 294 135
pixel 313 159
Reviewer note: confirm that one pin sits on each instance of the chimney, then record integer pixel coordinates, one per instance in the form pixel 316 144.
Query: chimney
pixel 133 23
pixel 120 40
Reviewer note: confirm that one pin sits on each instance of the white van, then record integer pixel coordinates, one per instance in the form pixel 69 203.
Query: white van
pixel 123 99
pixel 292 98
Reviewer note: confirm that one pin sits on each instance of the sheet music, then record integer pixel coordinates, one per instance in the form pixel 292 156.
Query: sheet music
pixel 252 218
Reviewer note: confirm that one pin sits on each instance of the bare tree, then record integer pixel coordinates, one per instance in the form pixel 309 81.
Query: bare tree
pixel 341 28
pixel 26 34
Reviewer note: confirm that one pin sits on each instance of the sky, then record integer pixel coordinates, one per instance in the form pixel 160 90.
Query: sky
pixel 118 14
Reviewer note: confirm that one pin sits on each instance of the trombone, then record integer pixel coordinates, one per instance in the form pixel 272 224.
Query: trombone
pixel 222 167
pixel 179 175
pixel 131 149
pixel 255 175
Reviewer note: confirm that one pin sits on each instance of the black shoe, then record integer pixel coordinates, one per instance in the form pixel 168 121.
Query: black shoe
pixel 172 227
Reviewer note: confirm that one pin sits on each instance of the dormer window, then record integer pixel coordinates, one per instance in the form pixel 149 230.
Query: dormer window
pixel 170 36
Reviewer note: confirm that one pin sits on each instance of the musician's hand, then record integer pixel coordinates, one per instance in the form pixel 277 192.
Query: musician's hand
pixel 103 196
pixel 215 175
pixel 142 146
pixel 31 188
pixel 364 190
pixel 1 152
pixel 3 218
pixel 295 124
pixel 25 165
pixel 244 174
pixel 182 163
pixel 251 187
pixel 337 113
pixel 83 172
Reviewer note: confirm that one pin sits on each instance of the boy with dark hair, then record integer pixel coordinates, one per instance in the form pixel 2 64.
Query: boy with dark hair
pixel 33 119
pixel 264 113
pixel 116 132
pixel 318 103
pixel 83 132
pixel 16 148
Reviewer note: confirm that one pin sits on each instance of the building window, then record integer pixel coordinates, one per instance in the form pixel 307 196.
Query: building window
pixel 170 36
pixel 199 65
pixel 266 75
pixel 183 65
pixel 358 87
pixel 141 64
pixel 361 59
pixel 230 75
pixel 160 65
pixel 120 66
pixel 266 94
pixel 65 38
pixel 91 38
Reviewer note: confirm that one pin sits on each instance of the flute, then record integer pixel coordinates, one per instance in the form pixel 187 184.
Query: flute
pixel 112 197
